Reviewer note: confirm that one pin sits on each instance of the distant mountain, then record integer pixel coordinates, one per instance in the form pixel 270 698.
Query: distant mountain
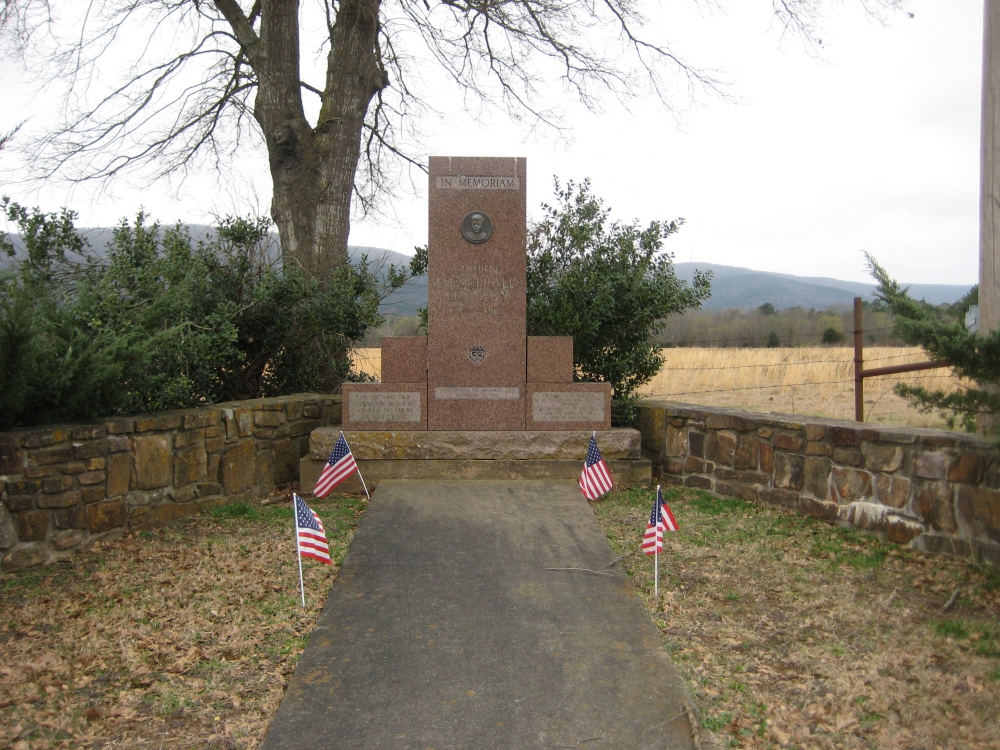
pixel 732 286
pixel 403 302
pixel 746 289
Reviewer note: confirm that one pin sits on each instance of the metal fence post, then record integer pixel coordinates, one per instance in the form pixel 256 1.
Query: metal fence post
pixel 859 362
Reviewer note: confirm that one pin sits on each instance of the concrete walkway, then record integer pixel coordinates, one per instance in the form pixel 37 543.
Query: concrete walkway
pixel 446 630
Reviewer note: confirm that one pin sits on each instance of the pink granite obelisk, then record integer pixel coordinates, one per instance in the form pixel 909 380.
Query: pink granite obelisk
pixel 476 357
pixel 477 369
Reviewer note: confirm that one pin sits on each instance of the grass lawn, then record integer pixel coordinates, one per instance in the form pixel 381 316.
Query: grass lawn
pixel 790 632
pixel 183 637
pixel 794 633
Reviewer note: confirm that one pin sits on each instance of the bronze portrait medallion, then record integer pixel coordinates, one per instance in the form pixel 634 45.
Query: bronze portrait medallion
pixel 477 227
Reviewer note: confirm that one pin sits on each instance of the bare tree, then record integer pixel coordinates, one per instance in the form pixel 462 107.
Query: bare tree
pixel 211 76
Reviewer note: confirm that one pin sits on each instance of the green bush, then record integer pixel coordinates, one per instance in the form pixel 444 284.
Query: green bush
pixel 832 336
pixel 165 323
pixel 609 286
pixel 941 332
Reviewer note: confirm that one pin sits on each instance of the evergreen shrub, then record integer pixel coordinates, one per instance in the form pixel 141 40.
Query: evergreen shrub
pixel 941 331
pixel 607 284
pixel 163 322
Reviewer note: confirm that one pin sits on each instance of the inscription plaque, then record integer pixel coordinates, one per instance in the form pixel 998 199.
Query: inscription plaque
pixel 566 406
pixel 478 393
pixel 463 182
pixel 384 407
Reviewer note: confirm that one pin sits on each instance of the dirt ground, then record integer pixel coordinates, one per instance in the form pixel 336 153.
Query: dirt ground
pixel 183 637
pixel 791 633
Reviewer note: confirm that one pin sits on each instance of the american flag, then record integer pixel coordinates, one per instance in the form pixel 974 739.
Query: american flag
pixel 310 533
pixel 665 515
pixel 660 519
pixel 595 479
pixel 338 467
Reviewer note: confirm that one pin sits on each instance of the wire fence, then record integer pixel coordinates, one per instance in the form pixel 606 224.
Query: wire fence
pixel 849 381
pixel 764 339
pixel 843 361
pixel 802 381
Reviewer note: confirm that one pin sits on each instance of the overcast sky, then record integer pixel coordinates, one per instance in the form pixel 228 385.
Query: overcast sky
pixel 874 146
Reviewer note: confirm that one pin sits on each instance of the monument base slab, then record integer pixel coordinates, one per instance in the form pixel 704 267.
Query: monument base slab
pixel 473 454
pixel 625 472
pixel 475 407
pixel 616 442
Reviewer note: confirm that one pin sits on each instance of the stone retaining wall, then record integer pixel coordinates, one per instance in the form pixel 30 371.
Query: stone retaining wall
pixel 66 487
pixel 932 489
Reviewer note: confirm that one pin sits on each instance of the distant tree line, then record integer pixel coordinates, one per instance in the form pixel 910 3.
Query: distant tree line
pixel 767 326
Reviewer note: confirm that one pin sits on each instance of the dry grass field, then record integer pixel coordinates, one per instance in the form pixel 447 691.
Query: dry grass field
pixel 815 381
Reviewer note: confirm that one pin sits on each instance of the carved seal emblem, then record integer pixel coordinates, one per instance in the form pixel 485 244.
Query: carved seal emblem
pixel 477 354
pixel 477 227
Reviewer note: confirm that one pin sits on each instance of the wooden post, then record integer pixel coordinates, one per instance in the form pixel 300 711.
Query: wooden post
pixel 989 184
pixel 859 361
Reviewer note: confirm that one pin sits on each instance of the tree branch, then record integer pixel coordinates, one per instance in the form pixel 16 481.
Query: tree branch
pixel 241 25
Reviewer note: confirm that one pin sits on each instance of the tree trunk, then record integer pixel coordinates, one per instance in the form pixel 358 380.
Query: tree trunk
pixel 312 169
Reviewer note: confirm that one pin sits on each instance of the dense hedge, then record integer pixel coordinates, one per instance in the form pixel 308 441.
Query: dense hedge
pixel 163 322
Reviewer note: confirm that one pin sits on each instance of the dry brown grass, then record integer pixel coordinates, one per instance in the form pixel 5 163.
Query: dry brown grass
pixel 815 381
pixel 792 633
pixel 183 637
pixel 368 361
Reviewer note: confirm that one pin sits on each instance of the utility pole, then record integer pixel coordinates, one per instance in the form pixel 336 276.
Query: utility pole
pixel 989 185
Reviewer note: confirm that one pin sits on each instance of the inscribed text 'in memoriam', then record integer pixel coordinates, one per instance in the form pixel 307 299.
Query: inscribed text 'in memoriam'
pixel 462 182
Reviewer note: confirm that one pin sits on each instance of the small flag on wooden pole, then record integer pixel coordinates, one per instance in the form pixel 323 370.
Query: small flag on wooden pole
pixel 660 519
pixel 339 466
pixel 595 479
pixel 310 538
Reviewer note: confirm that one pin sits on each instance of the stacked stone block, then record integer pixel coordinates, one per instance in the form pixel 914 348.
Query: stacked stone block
pixel 67 487
pixel 932 489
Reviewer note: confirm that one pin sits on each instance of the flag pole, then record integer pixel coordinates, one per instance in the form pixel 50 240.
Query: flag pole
pixel 656 551
pixel 298 552
pixel 359 470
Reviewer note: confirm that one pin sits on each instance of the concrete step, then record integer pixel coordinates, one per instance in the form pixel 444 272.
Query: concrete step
pixel 457 454
pixel 546 445
pixel 635 472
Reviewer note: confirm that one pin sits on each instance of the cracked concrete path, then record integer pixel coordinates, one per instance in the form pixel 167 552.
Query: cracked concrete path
pixel 448 629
